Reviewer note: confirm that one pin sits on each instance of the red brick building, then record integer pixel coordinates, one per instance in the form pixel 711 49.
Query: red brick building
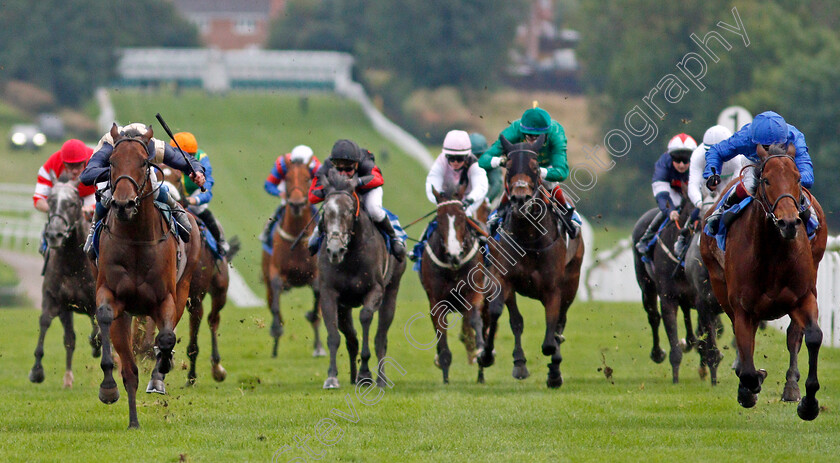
pixel 231 24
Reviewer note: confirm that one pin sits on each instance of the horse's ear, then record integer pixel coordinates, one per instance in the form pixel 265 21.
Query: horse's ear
pixel 760 151
pixel 506 144
pixel 791 150
pixel 115 132
pixel 436 194
pixel 149 134
pixel 75 182
pixel 538 143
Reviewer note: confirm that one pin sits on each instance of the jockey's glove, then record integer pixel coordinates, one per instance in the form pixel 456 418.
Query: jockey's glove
pixel 467 202
pixel 497 161
pixel 713 181
pixel 543 173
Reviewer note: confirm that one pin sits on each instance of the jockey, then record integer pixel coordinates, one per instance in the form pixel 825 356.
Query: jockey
pixel 70 160
pixel 198 200
pixel 275 184
pixel 698 194
pixel 670 174
pixel 551 157
pixel 494 176
pixel 357 163
pixel 457 166
pixel 766 129
pixel 98 171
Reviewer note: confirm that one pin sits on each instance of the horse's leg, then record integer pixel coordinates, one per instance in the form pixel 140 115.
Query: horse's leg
pixel 36 375
pixel 807 316
pixel 794 343
pixel 276 287
pixel 386 316
pixel 749 379
pixel 95 339
pixel 443 358
pixel 707 344
pixel 218 295
pixel 649 302
pixel 555 377
pixel 520 371
pixel 669 319
pixel 196 309
pixel 329 311
pixel 121 337
pixel 487 356
pixel 467 337
pixel 477 324
pixel 108 392
pixel 351 340
pixel 372 302
pixel 66 317
pixel 690 336
pixel 315 320
pixel 165 320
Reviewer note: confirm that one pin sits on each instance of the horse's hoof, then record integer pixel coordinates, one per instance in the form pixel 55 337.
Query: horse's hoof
pixel 134 425
pixel 190 382
pixel 156 386
pixel 808 408
pixel 746 398
pixel 37 374
pixel 331 383
pixel 364 378
pixel 68 379
pixel 319 352
pixel 276 330
pixel 520 371
pixel 548 349
pixel 791 392
pixel 219 372
pixel 480 379
pixel 560 339
pixel 109 395
pixel 657 355
pixel 554 380
pixel 96 352
pixel 485 358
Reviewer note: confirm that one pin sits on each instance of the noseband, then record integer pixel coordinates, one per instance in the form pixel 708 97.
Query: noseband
pixel 519 183
pixel 770 210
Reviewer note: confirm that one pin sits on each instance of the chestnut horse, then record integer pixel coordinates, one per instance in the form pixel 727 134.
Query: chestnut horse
pixel 138 270
pixel 451 266
pixel 286 267
pixel 769 270
pixel 355 268
pixel 534 258
pixel 68 276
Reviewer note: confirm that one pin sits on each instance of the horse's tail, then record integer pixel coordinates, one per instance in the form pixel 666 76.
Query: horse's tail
pixel 235 246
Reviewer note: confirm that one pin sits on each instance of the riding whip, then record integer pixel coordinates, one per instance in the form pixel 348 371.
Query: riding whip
pixel 169 132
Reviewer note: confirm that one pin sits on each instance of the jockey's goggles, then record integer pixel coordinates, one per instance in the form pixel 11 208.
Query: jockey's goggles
pixel 455 158
pixel 345 168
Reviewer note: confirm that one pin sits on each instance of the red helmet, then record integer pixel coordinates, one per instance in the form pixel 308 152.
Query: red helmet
pixel 74 151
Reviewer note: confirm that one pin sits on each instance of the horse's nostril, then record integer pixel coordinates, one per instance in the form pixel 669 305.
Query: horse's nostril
pixel 798 222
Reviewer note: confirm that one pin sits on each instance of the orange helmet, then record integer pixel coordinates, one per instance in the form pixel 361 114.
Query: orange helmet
pixel 186 141
pixel 74 151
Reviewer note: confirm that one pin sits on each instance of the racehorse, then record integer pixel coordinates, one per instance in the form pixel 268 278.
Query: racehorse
pixel 354 268
pixel 535 258
pixel 287 267
pixel 450 265
pixel 769 270
pixel 68 276
pixel 138 270
pixel 664 278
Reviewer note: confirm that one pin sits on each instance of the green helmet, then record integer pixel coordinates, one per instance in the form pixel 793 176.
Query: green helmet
pixel 479 143
pixel 535 121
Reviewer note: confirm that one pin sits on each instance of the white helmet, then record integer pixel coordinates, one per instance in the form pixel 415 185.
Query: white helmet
pixel 716 134
pixel 682 142
pixel 457 143
pixel 302 154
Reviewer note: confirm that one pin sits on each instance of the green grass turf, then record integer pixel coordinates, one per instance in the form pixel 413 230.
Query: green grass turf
pixel 267 403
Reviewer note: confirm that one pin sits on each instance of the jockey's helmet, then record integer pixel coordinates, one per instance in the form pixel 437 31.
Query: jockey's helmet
pixel 456 144
pixel 301 154
pixel 715 134
pixel 75 151
pixel 768 128
pixel 681 146
pixel 479 143
pixel 186 141
pixel 345 150
pixel 137 127
pixel 535 121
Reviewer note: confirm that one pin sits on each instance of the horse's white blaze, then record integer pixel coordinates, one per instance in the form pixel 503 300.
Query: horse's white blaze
pixel 453 246
pixel 333 213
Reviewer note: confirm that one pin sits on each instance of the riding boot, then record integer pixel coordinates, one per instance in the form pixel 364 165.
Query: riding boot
pixel 681 246
pixel 572 226
pixel 265 236
pixel 397 246
pixel 501 212
pixel 88 247
pixel 713 221
pixel 213 226
pixel 642 244
pixel 181 217
pixel 315 240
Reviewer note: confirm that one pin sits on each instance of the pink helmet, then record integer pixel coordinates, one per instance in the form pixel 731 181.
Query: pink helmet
pixel 682 142
pixel 457 143
pixel 74 151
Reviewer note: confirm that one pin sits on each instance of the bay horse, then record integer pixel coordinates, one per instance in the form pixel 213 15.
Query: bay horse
pixel 354 268
pixel 769 270
pixel 287 267
pixel 534 258
pixel 452 266
pixel 68 285
pixel 138 270
pixel 664 279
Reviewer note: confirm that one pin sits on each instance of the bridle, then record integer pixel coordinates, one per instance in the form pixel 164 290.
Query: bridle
pixel 461 261
pixel 764 201
pixel 147 165
pixel 519 183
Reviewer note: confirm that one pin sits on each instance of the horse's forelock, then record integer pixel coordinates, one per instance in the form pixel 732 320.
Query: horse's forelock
pixel 777 149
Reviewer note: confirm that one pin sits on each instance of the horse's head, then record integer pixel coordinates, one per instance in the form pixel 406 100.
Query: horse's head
pixel 341 209
pixel 298 179
pixel 130 170
pixel 523 171
pixel 779 190
pixel 65 213
pixel 452 225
